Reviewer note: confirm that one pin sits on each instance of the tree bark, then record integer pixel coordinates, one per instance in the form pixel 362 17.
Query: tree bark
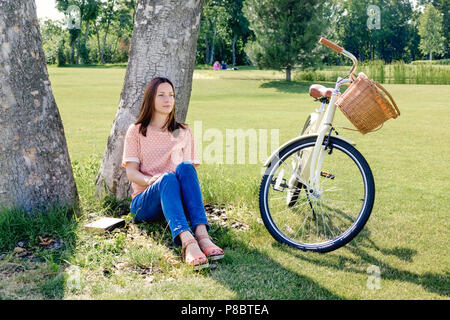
pixel 206 49
pixel 104 38
pixel 86 33
pixel 72 52
pixel 35 167
pixel 98 44
pixel 164 43
pixel 233 44
pixel 211 55
pixel 288 73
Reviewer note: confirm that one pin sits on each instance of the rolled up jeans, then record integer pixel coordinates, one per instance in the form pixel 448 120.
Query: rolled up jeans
pixel 175 196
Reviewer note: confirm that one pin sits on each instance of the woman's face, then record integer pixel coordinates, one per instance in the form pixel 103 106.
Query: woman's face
pixel 164 100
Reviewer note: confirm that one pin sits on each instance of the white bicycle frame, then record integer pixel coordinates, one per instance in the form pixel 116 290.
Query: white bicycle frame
pixel 323 127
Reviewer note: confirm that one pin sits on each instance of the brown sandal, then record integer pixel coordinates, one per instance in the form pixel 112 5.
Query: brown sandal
pixel 207 251
pixel 196 262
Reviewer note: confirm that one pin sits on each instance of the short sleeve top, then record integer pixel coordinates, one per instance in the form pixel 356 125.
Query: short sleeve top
pixel 158 152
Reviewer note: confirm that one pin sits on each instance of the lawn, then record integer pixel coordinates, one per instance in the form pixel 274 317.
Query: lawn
pixel 405 239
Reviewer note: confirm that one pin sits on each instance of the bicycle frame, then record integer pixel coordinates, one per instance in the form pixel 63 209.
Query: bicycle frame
pixel 310 172
pixel 326 117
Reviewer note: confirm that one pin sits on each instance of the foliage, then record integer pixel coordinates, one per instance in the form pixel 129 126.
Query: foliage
pixel 225 33
pixel 53 37
pixel 286 32
pixel 103 36
pixel 387 40
pixel 430 30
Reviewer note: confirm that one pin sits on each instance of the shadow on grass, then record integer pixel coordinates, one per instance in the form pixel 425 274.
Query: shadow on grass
pixel 34 248
pixel 287 86
pixel 296 86
pixel 253 274
pixel 248 272
pixel 432 282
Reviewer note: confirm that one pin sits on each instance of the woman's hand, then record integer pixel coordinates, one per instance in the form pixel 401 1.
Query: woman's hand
pixel 152 179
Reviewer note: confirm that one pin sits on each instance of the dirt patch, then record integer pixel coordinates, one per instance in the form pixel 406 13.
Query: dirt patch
pixel 219 216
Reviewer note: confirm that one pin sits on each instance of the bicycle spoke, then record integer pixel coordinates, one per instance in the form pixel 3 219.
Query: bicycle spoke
pixel 329 218
pixel 291 208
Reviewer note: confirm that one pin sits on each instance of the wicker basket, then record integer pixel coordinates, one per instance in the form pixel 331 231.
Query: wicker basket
pixel 365 105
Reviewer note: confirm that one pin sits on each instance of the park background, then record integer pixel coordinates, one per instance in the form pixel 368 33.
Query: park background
pixel 405 237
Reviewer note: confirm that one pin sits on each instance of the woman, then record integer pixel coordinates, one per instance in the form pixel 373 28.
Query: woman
pixel 160 160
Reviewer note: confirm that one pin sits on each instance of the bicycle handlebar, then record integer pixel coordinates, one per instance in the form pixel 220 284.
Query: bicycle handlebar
pixel 331 45
pixel 339 49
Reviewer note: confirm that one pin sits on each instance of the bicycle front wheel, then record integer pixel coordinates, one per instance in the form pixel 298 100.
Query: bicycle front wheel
pixel 325 220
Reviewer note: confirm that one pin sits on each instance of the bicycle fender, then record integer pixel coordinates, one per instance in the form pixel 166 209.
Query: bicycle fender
pixel 276 152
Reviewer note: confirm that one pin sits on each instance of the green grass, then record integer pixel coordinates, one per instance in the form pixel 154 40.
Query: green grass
pixel 406 236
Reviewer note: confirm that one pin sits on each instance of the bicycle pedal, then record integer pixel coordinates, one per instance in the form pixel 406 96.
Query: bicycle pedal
pixel 327 175
pixel 276 184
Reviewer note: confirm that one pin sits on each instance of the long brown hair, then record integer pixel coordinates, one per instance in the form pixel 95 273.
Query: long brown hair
pixel 148 107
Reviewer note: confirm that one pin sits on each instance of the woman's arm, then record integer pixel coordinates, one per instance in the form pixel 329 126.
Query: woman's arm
pixel 134 175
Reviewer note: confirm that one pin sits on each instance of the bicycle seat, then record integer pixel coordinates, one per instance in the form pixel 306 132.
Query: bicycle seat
pixel 317 91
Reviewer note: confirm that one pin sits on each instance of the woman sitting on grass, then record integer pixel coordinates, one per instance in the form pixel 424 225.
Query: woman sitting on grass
pixel 160 160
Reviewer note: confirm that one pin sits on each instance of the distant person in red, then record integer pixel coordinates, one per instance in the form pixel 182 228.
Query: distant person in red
pixel 216 65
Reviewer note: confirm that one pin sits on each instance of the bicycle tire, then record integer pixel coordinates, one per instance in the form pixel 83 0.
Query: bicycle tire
pixel 362 217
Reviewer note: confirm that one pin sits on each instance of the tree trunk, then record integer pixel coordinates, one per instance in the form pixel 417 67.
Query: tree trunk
pixel 206 49
pixel 86 33
pixel 211 55
pixel 77 56
pixel 164 43
pixel 72 52
pixel 98 44
pixel 288 73
pixel 233 44
pixel 104 39
pixel 35 167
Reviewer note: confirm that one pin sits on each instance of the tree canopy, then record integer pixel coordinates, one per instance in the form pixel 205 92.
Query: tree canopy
pixel 266 33
pixel 430 31
pixel 286 32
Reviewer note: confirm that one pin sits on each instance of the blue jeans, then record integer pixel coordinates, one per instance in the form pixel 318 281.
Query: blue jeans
pixel 172 196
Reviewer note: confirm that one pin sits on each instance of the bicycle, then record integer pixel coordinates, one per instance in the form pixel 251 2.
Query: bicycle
pixel 329 192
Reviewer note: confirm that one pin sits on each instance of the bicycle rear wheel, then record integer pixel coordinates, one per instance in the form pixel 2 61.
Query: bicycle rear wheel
pixel 318 222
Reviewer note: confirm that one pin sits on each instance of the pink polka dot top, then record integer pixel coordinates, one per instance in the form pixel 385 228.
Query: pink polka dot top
pixel 159 152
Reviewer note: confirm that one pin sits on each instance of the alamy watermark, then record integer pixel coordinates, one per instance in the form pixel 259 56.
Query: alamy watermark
pixel 73 281
pixel 374 280
pixel 233 146
pixel 73 17
pixel 374 20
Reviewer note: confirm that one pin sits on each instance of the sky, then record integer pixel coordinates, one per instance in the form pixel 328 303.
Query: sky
pixel 46 9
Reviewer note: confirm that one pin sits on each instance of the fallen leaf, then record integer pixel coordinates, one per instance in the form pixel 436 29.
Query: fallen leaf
pixel 45 241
